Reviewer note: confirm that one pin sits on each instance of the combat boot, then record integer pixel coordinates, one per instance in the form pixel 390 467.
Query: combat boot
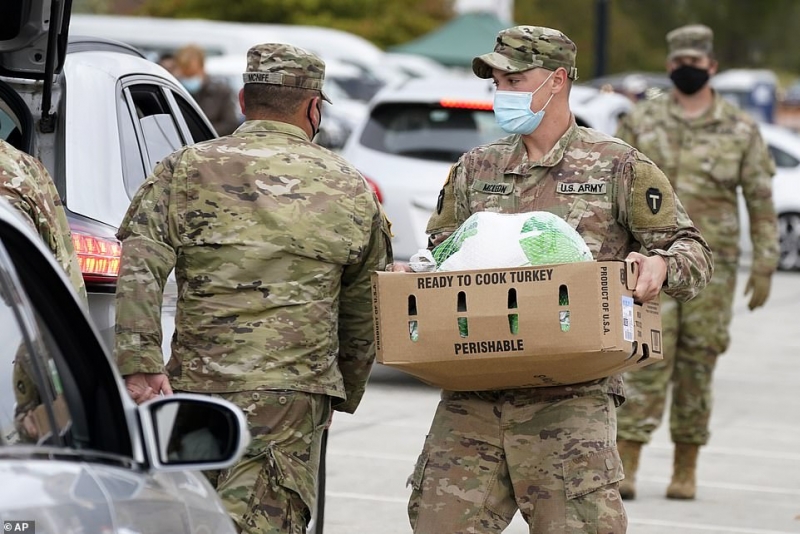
pixel 684 483
pixel 629 453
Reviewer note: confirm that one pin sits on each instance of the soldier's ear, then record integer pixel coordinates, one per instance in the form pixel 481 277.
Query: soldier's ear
pixel 560 79
pixel 241 100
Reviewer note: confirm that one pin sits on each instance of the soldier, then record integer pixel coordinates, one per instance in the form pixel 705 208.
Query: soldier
pixel 707 148
pixel 549 452
pixel 27 185
pixel 273 240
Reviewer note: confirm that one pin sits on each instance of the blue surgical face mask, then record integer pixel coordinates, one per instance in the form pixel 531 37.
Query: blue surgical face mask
pixel 192 84
pixel 512 111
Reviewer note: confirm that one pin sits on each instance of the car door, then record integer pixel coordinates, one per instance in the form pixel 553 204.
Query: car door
pixel 67 400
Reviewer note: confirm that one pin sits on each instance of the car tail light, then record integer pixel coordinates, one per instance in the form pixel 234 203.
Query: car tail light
pixel 98 257
pixel 466 104
pixel 375 189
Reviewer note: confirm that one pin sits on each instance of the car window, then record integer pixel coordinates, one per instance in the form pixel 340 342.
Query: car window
pixel 426 131
pixel 783 159
pixel 33 407
pixel 133 170
pixel 197 127
pixel 155 128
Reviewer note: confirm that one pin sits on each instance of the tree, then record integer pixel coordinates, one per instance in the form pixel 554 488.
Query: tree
pixel 384 22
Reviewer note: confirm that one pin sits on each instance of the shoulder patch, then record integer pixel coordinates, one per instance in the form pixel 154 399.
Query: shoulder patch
pixel 653 200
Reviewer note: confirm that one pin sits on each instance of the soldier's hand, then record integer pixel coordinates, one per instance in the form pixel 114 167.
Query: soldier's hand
pixel 145 386
pixel 399 267
pixel 652 273
pixel 759 286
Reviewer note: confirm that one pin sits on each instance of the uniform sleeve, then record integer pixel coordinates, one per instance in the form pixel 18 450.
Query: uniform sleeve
pixel 148 255
pixel 756 175
pixel 33 193
pixel 658 221
pixel 450 204
pixel 624 130
pixel 356 328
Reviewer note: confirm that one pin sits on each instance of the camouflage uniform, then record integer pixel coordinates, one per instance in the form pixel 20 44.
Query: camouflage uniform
pixel 273 240
pixel 26 184
pixel 549 452
pixel 706 159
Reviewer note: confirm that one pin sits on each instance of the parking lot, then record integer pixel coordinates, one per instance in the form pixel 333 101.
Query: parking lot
pixel 749 474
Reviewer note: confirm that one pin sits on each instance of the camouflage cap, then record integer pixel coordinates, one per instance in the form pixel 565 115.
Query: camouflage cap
pixel 695 40
pixel 524 48
pixel 283 64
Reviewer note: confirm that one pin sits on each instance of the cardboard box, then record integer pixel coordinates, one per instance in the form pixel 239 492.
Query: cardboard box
pixel 421 319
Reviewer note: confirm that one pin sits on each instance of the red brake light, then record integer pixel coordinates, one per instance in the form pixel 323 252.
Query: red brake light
pixel 375 189
pixel 466 104
pixel 98 257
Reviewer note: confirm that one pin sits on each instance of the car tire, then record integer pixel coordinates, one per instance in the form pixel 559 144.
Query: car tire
pixel 789 234
pixel 318 516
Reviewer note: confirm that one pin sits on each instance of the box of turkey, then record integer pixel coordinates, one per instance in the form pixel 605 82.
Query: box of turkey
pixel 518 327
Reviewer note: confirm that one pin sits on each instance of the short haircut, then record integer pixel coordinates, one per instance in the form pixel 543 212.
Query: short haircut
pixel 276 100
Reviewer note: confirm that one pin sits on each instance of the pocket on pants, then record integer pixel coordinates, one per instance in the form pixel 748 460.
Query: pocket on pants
pixel 592 493
pixel 285 486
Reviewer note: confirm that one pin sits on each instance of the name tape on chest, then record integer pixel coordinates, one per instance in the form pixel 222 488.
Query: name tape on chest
pixel 492 188
pixel 566 188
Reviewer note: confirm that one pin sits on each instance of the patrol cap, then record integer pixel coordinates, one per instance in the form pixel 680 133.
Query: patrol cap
pixel 524 48
pixel 287 65
pixel 695 40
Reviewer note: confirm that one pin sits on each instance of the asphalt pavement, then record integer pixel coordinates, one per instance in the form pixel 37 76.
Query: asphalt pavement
pixel 749 474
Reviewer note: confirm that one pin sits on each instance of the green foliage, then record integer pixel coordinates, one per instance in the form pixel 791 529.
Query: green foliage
pixel 384 22
pixel 747 33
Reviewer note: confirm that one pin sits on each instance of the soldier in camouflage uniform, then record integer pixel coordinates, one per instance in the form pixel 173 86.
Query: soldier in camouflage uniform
pixel 273 240
pixel 549 452
pixel 708 148
pixel 27 185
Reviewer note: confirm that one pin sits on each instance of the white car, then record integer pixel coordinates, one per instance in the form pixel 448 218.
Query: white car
pixel 784 146
pixel 99 122
pixel 76 453
pixel 417 130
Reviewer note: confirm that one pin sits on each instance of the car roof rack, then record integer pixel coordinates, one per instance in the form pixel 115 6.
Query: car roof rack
pixel 83 43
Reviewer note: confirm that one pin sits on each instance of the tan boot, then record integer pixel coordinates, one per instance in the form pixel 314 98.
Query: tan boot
pixel 629 453
pixel 684 483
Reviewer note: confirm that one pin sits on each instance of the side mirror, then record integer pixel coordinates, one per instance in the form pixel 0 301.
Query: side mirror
pixel 193 432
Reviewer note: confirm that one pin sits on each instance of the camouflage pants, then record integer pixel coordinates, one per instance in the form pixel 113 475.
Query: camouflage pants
pixel 489 454
pixel 272 489
pixel 694 334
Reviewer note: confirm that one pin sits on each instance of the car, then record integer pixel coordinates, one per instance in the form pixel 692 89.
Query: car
pixel 784 147
pixel 109 116
pixel 418 129
pixel 76 453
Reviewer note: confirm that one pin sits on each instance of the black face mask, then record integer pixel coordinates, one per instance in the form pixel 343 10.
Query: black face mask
pixel 314 129
pixel 688 80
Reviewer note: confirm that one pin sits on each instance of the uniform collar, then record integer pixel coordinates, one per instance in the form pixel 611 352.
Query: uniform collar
pixel 517 161
pixel 715 113
pixel 265 126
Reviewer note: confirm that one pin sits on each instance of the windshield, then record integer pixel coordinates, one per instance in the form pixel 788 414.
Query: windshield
pixel 429 131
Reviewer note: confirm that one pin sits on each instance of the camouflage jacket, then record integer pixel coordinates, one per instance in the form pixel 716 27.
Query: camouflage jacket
pixel 27 185
pixel 273 240
pixel 615 198
pixel 706 159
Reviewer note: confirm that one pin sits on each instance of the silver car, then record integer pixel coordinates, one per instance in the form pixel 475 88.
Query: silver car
pixel 100 117
pixel 76 454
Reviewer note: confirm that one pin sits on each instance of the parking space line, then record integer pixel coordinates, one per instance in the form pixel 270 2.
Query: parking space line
pixel 703 527
pixel 747 453
pixel 732 487
pixel 364 497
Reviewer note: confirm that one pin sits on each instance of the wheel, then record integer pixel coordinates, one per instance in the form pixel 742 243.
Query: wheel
pixel 789 232
pixel 318 515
